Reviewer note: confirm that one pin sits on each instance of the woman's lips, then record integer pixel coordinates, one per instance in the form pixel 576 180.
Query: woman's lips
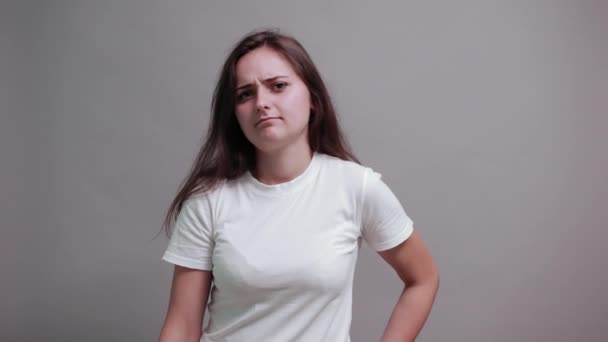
pixel 265 120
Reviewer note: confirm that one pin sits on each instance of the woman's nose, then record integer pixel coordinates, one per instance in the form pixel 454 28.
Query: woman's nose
pixel 262 100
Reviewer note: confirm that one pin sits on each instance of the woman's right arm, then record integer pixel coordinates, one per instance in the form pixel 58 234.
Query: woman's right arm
pixel 187 303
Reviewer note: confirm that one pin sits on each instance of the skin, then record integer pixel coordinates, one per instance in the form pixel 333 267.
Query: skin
pixel 273 109
pixel 412 261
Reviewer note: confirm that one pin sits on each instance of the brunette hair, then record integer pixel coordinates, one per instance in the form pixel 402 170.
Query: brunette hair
pixel 226 153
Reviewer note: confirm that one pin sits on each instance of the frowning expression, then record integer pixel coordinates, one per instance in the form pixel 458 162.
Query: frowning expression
pixel 272 102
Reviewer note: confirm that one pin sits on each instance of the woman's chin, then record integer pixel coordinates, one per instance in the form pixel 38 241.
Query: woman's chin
pixel 275 138
pixel 271 135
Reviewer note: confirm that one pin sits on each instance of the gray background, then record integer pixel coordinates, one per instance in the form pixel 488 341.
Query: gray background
pixel 486 118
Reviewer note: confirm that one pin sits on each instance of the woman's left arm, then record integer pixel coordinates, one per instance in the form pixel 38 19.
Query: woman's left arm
pixel 415 266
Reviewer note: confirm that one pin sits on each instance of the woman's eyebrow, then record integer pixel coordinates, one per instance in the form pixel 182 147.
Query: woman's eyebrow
pixel 270 79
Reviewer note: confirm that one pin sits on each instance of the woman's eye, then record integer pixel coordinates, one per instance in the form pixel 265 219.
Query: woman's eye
pixel 280 85
pixel 243 95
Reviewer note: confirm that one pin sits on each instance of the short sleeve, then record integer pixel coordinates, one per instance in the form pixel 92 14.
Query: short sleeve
pixel 384 222
pixel 191 243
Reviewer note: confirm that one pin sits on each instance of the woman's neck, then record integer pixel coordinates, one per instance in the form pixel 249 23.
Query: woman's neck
pixel 282 165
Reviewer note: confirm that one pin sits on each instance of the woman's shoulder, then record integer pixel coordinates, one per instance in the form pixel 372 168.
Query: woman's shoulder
pixel 207 196
pixel 344 169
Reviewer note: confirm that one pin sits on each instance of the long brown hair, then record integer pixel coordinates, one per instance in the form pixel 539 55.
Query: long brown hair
pixel 226 153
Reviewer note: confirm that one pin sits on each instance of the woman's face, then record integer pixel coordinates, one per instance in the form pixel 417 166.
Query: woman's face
pixel 272 102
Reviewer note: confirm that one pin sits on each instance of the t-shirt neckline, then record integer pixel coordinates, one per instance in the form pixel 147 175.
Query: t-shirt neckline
pixel 291 185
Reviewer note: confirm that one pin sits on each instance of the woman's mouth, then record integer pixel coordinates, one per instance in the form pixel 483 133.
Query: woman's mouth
pixel 264 120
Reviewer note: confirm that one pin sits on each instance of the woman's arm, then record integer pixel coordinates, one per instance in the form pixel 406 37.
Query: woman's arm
pixel 415 266
pixel 187 303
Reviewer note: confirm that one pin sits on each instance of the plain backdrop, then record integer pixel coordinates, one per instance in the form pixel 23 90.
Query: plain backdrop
pixel 487 119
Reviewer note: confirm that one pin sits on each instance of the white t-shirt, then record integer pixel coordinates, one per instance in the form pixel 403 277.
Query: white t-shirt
pixel 283 256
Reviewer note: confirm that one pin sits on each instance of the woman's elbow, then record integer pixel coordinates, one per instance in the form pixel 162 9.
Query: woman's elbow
pixel 179 330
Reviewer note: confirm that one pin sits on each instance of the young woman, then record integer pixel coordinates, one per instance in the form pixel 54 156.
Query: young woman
pixel 274 211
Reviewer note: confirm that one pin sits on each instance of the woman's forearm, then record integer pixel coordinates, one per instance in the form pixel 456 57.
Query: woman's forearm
pixel 411 312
